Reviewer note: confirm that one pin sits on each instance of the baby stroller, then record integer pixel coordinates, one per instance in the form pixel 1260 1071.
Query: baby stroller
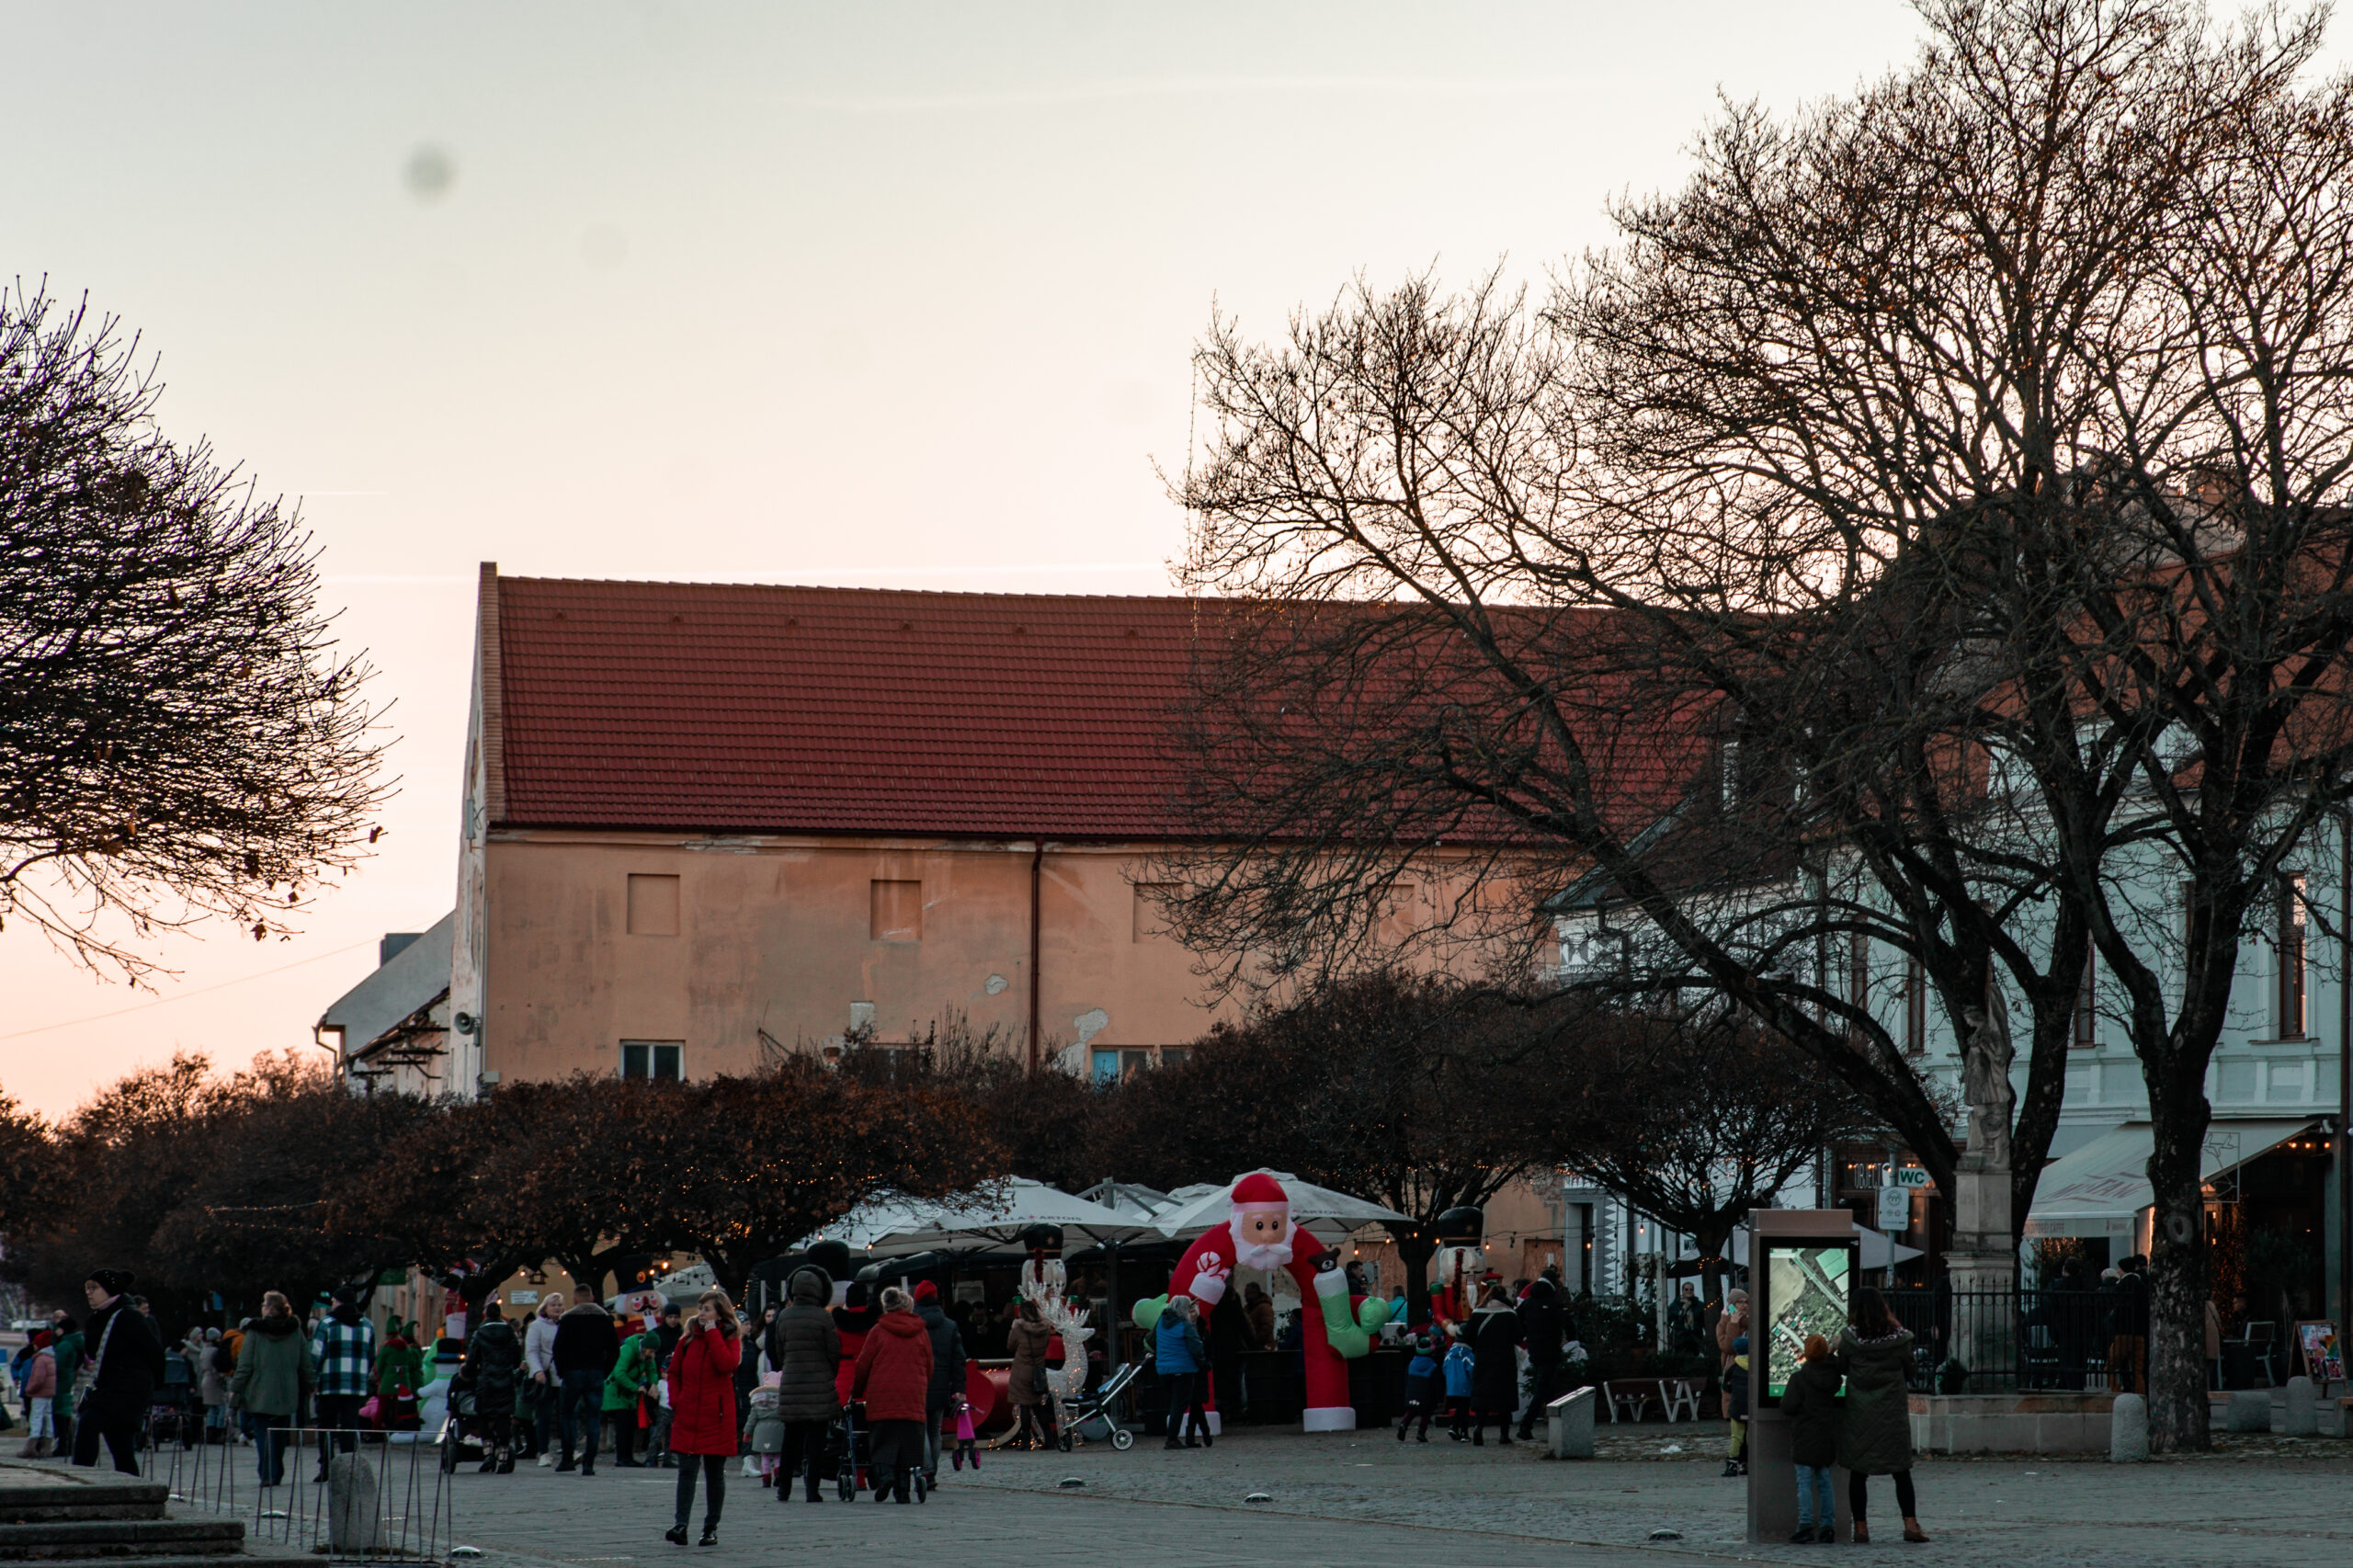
pixel 1094 1418
pixel 853 1451
pixel 462 1439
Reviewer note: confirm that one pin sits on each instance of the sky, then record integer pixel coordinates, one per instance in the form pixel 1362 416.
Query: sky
pixel 883 295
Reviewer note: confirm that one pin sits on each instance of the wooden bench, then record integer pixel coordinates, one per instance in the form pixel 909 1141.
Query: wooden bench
pixel 1677 1398
pixel 1626 1396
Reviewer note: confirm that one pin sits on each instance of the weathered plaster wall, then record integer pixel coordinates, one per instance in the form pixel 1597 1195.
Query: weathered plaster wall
pixel 777 935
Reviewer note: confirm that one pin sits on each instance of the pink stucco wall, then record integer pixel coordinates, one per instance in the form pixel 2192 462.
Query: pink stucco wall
pixel 776 935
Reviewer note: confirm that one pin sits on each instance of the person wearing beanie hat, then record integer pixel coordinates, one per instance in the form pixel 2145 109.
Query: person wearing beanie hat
pixel 947 1373
pixel 893 1375
pixel 1736 1408
pixel 125 1363
pixel 40 1399
pixel 343 1349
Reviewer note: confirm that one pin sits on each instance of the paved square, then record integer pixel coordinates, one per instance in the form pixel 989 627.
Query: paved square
pixel 1362 1500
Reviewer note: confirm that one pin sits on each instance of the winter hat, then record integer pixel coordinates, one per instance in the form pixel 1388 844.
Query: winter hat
pixel 1740 1345
pixel 213 1337
pixel 41 1340
pixel 925 1290
pixel 113 1282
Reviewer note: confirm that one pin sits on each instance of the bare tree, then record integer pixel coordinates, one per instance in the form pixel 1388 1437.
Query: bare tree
pixel 2044 343
pixel 1963 457
pixel 1417 1090
pixel 1696 1119
pixel 178 738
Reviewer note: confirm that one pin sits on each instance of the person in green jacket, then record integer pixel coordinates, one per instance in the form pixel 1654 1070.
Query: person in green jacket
pixel 67 1349
pixel 275 1374
pixel 631 1375
pixel 399 1363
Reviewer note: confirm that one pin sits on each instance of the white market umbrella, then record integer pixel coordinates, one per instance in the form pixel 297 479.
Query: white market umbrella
pixel 902 1227
pixel 1326 1214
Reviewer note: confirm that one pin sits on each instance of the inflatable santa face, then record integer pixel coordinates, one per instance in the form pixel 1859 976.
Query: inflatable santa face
pixel 1259 1233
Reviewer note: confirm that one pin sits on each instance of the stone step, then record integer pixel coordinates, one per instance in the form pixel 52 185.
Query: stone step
pixel 29 1495
pixel 59 1541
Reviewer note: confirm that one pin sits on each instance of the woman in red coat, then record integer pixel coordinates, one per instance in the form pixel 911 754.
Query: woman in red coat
pixel 702 1410
pixel 893 1376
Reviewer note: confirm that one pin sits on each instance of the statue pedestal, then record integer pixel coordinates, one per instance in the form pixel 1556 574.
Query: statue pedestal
pixel 1982 1266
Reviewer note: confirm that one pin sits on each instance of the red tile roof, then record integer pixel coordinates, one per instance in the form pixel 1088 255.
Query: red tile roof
pixel 724 708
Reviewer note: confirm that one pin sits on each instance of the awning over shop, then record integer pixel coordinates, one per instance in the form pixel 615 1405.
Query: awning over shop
pixel 2101 1188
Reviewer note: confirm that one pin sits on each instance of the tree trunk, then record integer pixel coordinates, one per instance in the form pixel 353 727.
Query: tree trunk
pixel 2177 1407
pixel 1415 1247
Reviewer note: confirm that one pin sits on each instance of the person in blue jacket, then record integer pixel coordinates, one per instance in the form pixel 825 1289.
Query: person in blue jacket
pixel 1459 1363
pixel 1179 1355
pixel 1421 1388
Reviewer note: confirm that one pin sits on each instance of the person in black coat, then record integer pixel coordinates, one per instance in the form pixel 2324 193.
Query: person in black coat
pixel 1543 1324
pixel 947 1373
pixel 1495 1339
pixel 586 1349
pixel 805 1350
pixel 126 1357
pixel 495 1360
pixel 1810 1405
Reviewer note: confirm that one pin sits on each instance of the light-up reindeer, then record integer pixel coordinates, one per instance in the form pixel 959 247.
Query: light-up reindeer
pixel 1043 1284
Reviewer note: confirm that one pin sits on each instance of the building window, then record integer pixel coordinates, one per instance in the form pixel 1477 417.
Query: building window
pixel 652 1059
pixel 652 906
pixel 1174 1055
pixel 2087 1003
pixel 1112 1066
pixel 896 911
pixel 2290 1008
pixel 1149 916
pixel 1915 1009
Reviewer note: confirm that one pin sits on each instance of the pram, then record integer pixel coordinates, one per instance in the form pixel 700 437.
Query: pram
pixel 1094 1418
pixel 463 1440
pixel 854 1454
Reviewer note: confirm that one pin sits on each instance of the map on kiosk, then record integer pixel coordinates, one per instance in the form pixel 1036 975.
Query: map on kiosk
pixel 1805 1291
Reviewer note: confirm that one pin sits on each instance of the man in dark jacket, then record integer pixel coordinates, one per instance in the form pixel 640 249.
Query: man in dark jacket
pixel 1494 1377
pixel 946 1372
pixel 805 1350
pixel 126 1362
pixel 1542 1323
pixel 586 1349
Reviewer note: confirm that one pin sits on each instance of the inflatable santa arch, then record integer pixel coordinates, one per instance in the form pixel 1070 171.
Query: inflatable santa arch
pixel 1335 1328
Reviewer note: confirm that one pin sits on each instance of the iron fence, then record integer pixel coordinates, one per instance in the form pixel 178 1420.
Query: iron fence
pixel 2006 1341
pixel 349 1495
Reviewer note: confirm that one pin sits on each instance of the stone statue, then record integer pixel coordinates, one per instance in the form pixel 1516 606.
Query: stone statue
pixel 1985 1083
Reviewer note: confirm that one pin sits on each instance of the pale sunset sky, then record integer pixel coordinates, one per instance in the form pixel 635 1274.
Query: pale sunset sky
pixel 887 295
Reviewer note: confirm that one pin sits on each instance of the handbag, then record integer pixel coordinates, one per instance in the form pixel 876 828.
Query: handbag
pixel 99 1360
pixel 371 1412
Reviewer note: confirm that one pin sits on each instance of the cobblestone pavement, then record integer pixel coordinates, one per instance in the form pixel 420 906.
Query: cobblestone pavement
pixel 1363 1500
